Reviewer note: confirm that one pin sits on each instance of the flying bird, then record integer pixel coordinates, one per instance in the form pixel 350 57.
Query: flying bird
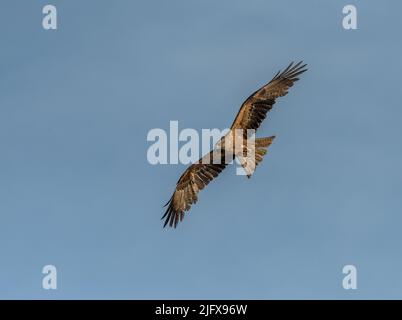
pixel 236 143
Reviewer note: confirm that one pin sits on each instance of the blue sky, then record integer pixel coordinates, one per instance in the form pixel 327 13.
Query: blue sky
pixel 77 192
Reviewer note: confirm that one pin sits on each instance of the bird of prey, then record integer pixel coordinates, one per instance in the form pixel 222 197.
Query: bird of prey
pixel 236 143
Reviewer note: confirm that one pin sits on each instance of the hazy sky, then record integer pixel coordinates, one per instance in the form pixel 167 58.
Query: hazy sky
pixel 77 191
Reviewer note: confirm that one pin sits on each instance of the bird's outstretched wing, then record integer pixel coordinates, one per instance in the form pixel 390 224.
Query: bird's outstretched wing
pixel 254 110
pixel 194 179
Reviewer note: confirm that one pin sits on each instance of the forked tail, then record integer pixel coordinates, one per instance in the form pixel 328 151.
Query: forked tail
pixel 249 161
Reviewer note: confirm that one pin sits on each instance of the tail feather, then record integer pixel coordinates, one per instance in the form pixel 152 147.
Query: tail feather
pixel 260 150
pixel 264 142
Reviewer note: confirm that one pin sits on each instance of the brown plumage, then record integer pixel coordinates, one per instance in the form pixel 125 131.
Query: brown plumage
pixel 250 116
pixel 194 179
pixel 254 110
